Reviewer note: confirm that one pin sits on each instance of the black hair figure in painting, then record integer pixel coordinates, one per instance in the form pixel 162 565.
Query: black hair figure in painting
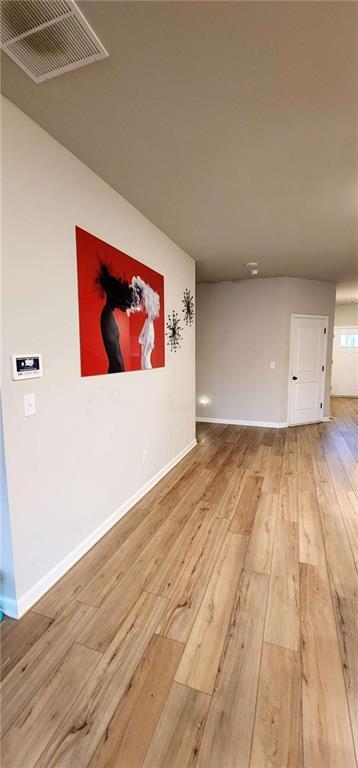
pixel 119 295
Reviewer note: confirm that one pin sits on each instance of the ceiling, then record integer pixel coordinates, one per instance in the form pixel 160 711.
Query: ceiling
pixel 231 125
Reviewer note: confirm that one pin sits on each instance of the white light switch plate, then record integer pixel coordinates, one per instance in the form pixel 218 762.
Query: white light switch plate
pixel 29 404
pixel 272 364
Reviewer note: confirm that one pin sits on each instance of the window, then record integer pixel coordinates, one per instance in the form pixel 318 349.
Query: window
pixel 349 340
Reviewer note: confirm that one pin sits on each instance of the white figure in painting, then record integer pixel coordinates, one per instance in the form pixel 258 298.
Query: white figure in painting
pixel 149 303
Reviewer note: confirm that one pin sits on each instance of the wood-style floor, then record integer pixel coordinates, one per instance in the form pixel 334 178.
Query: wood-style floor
pixel 214 626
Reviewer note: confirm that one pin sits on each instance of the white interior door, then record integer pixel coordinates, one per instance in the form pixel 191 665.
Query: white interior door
pixel 308 351
pixel 345 361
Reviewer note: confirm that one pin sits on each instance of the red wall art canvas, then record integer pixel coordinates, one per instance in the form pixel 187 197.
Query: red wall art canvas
pixel 121 309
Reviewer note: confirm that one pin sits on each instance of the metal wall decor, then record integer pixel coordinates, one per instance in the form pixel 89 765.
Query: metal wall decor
pixel 189 307
pixel 173 332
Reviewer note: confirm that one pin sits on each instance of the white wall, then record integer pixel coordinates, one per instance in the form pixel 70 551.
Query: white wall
pixel 241 328
pixel 345 361
pixel 346 314
pixel 79 459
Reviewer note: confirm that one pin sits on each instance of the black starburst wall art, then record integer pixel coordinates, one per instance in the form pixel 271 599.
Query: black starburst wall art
pixel 188 310
pixel 173 333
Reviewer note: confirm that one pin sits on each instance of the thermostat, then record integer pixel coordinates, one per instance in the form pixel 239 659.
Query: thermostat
pixel 26 366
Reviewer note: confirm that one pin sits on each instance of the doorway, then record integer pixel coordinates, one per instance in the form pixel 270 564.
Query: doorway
pixel 345 361
pixel 307 369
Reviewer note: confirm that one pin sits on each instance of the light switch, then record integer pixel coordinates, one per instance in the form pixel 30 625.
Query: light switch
pixel 272 364
pixel 29 404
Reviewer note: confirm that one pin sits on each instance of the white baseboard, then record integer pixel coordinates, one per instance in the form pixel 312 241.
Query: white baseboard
pixel 16 608
pixel 244 422
pixel 350 394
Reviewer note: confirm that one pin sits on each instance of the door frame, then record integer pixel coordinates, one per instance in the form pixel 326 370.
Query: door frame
pixel 290 366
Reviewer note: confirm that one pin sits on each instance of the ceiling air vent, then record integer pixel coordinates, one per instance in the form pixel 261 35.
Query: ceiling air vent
pixel 47 37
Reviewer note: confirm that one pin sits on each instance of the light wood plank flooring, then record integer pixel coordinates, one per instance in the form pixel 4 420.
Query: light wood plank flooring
pixel 216 625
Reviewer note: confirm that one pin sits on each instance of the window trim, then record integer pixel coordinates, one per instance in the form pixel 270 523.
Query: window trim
pixel 350 330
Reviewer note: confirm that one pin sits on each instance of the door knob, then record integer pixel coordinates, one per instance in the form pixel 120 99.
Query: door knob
pixel 294 378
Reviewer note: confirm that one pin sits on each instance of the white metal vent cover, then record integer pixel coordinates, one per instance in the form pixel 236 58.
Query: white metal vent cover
pixel 47 37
